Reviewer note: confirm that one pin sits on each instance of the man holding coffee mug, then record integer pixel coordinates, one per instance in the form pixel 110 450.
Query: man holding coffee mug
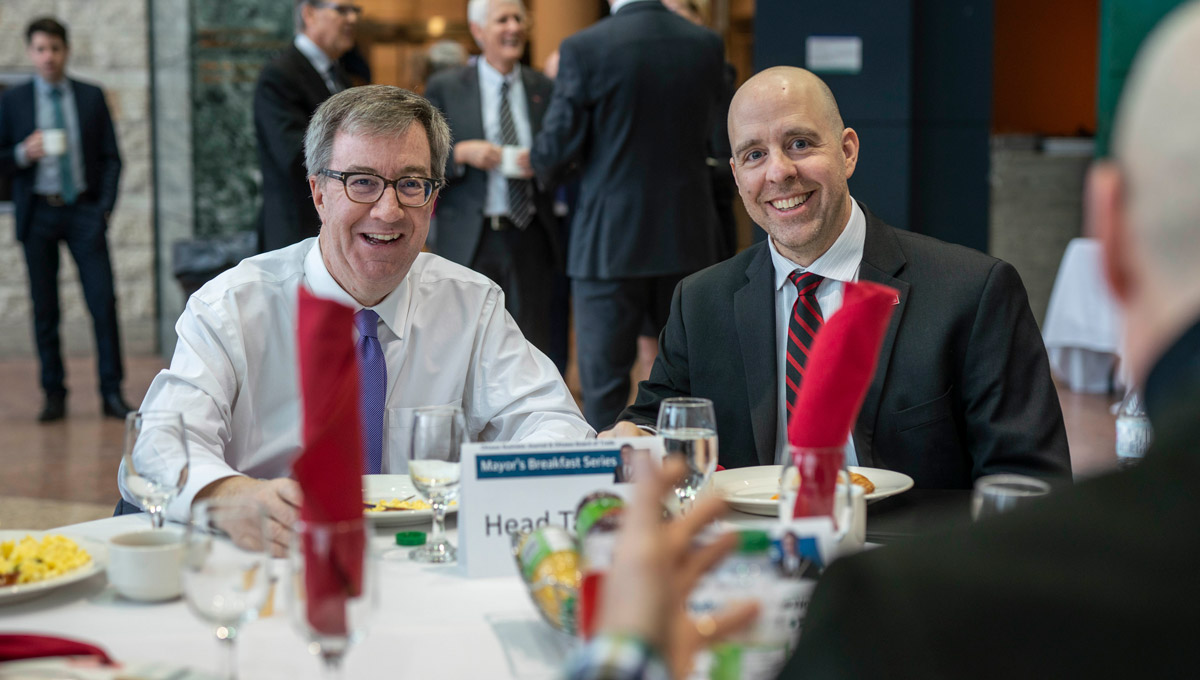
pixel 58 145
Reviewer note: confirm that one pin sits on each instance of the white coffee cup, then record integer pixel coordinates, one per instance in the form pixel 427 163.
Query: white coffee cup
pixel 145 565
pixel 508 161
pixel 54 141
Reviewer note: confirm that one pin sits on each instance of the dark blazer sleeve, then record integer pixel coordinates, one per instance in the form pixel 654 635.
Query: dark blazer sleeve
pixel 281 108
pixel 1011 429
pixel 564 135
pixel 109 157
pixel 10 137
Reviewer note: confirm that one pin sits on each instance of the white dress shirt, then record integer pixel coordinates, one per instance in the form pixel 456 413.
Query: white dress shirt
pixel 838 265
pixel 446 339
pixel 616 6
pixel 490 82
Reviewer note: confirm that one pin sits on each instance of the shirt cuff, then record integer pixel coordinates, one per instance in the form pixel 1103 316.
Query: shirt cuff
pixel 20 157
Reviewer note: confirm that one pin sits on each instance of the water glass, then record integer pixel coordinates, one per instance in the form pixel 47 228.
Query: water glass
pixel 155 464
pixel 226 582
pixel 688 428
pixel 333 594
pixel 435 469
pixel 996 494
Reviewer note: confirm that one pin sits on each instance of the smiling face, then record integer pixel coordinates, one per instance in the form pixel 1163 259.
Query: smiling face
pixel 368 248
pixel 502 35
pixel 791 160
pixel 48 54
pixel 332 30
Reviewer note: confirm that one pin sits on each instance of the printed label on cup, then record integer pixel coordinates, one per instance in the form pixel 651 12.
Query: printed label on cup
pixel 508 161
pixel 54 141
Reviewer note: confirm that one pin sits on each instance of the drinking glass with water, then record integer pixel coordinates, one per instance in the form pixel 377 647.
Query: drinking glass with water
pixel 688 427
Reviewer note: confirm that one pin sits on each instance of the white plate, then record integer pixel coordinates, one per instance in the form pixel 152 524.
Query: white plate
pixel 750 489
pixel 386 487
pixel 24 591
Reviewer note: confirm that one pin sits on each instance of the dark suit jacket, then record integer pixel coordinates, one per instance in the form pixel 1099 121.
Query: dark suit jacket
pixel 633 108
pixel 289 90
pixel 1096 581
pixel 459 214
pixel 101 158
pixel 962 388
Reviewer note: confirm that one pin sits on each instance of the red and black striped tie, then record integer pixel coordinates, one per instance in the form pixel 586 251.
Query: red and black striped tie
pixel 806 321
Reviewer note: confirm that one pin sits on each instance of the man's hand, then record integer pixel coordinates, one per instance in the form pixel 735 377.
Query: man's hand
pixel 477 153
pixel 280 498
pixel 524 165
pixel 655 567
pixel 34 151
pixel 623 428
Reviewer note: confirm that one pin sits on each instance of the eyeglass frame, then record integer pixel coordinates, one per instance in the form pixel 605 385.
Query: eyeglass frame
pixel 341 175
pixel 344 10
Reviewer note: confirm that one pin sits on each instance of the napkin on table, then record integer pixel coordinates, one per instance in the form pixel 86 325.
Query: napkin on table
pixel 840 365
pixel 329 469
pixel 16 647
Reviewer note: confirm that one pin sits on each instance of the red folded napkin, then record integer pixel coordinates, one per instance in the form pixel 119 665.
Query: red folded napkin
pixel 837 374
pixel 329 469
pixel 16 647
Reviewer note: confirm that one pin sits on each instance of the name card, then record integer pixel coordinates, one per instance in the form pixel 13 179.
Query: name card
pixel 509 488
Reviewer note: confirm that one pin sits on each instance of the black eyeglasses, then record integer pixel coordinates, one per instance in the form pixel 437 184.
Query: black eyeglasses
pixel 365 187
pixel 344 10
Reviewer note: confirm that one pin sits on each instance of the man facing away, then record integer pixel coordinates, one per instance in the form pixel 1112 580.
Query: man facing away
pixel 58 145
pixel 289 89
pixel 492 218
pixel 375 156
pixel 962 387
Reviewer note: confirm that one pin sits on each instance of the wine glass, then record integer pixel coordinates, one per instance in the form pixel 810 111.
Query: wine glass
pixel 996 494
pixel 226 581
pixel 155 465
pixel 333 591
pixel 689 430
pixel 434 467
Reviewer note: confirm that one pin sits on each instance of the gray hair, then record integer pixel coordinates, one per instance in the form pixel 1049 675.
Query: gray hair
pixel 375 110
pixel 298 12
pixel 1157 143
pixel 477 10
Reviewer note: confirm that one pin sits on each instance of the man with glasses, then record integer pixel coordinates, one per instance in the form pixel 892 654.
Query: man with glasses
pixel 492 219
pixel 375 156
pixel 289 89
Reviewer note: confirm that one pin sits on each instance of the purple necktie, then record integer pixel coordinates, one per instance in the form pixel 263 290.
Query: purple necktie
pixel 372 388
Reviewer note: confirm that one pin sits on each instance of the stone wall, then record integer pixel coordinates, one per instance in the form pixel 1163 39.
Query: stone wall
pixel 108 47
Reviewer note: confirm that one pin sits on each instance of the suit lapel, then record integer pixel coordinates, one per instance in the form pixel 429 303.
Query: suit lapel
pixel 882 259
pixel 753 308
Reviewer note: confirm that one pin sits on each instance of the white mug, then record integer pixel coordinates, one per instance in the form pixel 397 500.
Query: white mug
pixel 508 161
pixel 54 141
pixel 145 565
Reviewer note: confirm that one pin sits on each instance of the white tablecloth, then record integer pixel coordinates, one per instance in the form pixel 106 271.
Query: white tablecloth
pixel 433 623
pixel 1083 323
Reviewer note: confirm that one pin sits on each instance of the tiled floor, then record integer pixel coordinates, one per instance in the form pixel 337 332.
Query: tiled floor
pixel 66 472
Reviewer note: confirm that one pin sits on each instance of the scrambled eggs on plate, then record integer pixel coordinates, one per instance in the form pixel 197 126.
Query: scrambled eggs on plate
pixel 29 560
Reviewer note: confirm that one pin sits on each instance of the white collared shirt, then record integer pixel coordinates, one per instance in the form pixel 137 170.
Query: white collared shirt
pixel 446 339
pixel 319 60
pixel 838 265
pixel 490 82
pixel 616 6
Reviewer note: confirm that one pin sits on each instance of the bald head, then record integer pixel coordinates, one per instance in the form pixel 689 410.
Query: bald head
pixel 788 80
pixel 1157 142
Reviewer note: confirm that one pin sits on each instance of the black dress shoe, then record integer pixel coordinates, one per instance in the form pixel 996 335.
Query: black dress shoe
pixel 54 409
pixel 114 405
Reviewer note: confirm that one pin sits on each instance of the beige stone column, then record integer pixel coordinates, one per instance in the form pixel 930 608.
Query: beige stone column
pixel 554 20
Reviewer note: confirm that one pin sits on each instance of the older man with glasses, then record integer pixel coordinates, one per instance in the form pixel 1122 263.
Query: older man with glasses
pixel 375 157
pixel 289 89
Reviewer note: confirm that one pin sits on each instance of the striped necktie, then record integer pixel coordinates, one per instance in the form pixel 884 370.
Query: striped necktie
pixel 520 191
pixel 66 181
pixel 372 388
pixel 802 328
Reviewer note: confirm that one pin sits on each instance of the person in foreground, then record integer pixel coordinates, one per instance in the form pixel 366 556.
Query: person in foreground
pixel 375 156
pixel 963 386
pixel 64 194
pixel 1097 580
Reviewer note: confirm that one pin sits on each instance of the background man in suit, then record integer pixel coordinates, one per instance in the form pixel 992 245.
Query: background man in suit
pixel 633 109
pixel 64 192
pixel 289 89
pixel 963 386
pixel 501 226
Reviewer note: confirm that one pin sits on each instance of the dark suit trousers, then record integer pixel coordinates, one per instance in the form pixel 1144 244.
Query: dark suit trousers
pixel 82 226
pixel 522 263
pixel 609 316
